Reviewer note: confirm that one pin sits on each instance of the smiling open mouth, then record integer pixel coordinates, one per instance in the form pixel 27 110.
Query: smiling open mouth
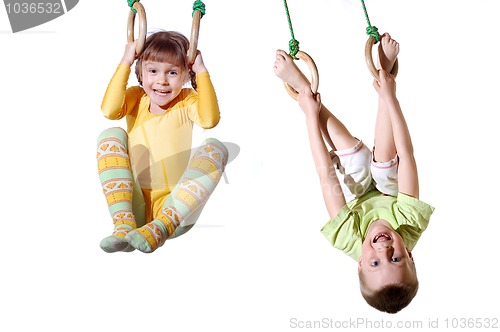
pixel 163 92
pixel 381 237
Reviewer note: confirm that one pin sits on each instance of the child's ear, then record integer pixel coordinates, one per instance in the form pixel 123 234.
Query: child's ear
pixel 138 71
pixel 409 254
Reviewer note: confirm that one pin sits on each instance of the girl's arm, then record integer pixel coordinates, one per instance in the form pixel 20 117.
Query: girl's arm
pixel 116 100
pixel 407 169
pixel 330 185
pixel 207 114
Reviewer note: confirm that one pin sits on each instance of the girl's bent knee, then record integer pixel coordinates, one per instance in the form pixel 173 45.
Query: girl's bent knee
pixel 116 133
pixel 218 144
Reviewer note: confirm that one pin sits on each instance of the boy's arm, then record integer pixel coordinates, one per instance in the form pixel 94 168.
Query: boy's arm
pixel 407 169
pixel 330 185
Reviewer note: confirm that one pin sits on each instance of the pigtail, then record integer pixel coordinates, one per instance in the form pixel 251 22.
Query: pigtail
pixel 192 75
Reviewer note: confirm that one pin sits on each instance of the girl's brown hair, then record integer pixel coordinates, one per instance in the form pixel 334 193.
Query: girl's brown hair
pixel 166 46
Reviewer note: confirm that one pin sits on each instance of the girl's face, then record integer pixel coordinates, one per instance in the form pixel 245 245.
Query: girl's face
pixel 162 82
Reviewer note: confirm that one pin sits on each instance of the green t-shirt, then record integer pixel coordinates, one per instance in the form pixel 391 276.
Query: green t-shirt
pixel 407 215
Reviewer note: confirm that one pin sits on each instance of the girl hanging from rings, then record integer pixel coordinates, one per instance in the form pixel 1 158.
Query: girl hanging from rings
pixel 153 189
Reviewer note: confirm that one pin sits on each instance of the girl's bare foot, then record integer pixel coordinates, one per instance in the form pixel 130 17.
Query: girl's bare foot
pixel 388 51
pixel 285 68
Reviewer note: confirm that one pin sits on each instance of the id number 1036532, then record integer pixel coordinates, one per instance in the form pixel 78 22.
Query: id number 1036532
pixel 34 8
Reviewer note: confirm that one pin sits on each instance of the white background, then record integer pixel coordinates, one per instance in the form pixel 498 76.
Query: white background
pixel 256 258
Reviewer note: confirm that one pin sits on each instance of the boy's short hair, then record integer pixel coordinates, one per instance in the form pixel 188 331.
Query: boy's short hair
pixel 390 298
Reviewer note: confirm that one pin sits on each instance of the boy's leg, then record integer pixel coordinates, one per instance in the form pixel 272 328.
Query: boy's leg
pixel 354 170
pixel 115 176
pixel 334 132
pixel 286 69
pixel 193 190
pixel 354 156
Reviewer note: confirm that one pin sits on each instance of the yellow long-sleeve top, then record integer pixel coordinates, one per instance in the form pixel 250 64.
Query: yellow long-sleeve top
pixel 159 144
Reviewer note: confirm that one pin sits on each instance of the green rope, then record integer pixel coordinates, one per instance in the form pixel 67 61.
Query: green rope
pixel 200 6
pixel 131 5
pixel 370 30
pixel 293 44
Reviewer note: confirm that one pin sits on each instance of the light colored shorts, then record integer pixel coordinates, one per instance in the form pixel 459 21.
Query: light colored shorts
pixel 358 172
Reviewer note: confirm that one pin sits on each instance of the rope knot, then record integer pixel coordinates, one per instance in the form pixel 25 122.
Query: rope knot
pixel 131 5
pixel 200 6
pixel 293 45
pixel 373 32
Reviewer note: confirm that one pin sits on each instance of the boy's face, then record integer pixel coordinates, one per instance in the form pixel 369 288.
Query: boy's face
pixel 162 82
pixel 384 257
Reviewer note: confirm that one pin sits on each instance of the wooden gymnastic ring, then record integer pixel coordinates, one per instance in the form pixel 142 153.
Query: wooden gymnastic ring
pixel 142 27
pixel 369 59
pixel 193 41
pixel 314 75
